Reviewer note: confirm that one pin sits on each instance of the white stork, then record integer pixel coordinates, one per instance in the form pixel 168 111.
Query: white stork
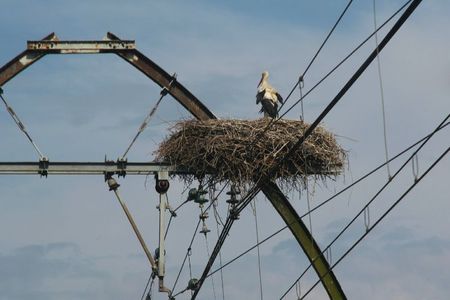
pixel 268 96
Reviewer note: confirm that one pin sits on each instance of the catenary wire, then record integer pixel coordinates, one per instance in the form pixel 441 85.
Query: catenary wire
pixel 317 52
pixel 380 81
pixel 381 218
pixel 252 193
pixel 193 237
pixel 302 97
pixel 255 214
pixel 329 199
pixel 372 199
pixel 345 59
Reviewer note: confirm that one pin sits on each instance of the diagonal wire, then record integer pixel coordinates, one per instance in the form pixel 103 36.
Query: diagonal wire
pixel 381 218
pixel 144 123
pixel 317 52
pixel 389 181
pixel 163 93
pixel 346 58
pixel 337 66
pixel 329 199
pixel 19 124
pixel 254 191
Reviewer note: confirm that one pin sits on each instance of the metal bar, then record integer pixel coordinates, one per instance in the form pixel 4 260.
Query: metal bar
pixel 113 186
pixel 163 79
pixel 304 239
pixel 22 61
pixel 87 168
pixel 90 168
pixel 162 230
pixel 77 47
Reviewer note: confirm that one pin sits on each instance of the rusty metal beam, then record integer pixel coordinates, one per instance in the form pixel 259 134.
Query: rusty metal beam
pixel 163 79
pixel 80 47
pixel 22 61
pixel 124 48
pixel 304 239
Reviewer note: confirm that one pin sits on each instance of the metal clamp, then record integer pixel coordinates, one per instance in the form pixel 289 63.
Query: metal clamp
pixel 166 90
pixel 43 166
pixel 122 166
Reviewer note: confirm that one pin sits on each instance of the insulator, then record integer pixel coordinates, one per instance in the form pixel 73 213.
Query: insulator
pixel 234 215
pixel 233 200
pixel 234 191
pixel 192 194
pixel 204 216
pixel 113 185
pixel 200 199
pixel 192 284
pixel 205 229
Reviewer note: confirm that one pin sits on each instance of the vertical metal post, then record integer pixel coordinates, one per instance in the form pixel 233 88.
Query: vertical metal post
pixel 162 186
pixel 162 227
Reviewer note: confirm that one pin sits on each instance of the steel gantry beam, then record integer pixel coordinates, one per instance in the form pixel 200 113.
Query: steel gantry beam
pixel 111 44
pixel 304 239
pixel 86 168
pixel 22 61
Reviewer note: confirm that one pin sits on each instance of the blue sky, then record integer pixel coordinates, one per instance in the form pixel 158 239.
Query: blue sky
pixel 66 237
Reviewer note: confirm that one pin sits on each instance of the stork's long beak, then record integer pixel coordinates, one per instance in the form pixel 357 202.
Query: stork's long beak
pixel 260 81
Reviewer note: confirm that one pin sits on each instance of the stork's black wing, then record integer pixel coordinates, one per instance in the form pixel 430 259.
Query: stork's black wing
pixel 269 107
pixel 280 98
pixel 260 96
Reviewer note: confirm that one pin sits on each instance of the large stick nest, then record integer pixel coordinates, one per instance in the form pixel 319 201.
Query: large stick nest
pixel 240 151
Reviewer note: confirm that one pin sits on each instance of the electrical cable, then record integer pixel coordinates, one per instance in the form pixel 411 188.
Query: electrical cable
pixel 374 197
pixel 220 265
pixel 21 126
pixel 172 215
pixel 212 277
pixel 317 52
pixel 331 198
pixel 345 59
pixel 253 205
pixel 273 121
pixel 382 217
pixel 252 193
pixel 146 286
pixel 193 238
pixel 163 93
pixel 380 80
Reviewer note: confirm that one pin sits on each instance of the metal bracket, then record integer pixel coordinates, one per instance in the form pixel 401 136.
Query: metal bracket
pixel 122 166
pixel 43 166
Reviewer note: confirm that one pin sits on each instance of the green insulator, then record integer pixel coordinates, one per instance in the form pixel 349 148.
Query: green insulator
pixel 192 284
pixel 200 199
pixel 192 194
pixel 202 191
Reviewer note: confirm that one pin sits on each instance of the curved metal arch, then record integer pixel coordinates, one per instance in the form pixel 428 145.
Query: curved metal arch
pixel 125 49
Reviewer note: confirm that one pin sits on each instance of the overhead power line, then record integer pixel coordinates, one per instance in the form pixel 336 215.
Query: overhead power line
pixel 330 198
pixel 363 210
pixel 337 66
pixel 382 217
pixel 252 193
pixel 317 53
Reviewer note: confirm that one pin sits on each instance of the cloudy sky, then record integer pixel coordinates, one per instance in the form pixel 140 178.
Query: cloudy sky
pixel 67 238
